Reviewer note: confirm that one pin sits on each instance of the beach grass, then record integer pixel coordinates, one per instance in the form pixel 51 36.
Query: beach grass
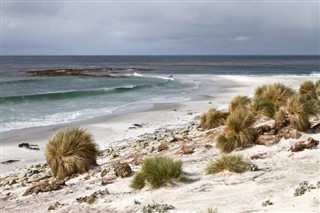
pixel 157 171
pixel 237 102
pixel 260 106
pixel 213 118
pixel 70 151
pixel 298 110
pixel 238 131
pixel 231 163
pixel 317 86
pixel 277 93
pixel 308 89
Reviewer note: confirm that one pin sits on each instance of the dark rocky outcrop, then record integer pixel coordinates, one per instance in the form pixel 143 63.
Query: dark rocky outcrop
pixel 91 72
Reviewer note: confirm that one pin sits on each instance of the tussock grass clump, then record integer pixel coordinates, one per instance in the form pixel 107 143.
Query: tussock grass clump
pixel 277 93
pixel 317 86
pixel 70 151
pixel 238 101
pixel 297 111
pixel 238 131
pixel 158 171
pixel 212 119
pixel 308 89
pixel 260 106
pixel 231 163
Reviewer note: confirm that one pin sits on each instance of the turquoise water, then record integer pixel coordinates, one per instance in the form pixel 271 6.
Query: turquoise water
pixel 28 101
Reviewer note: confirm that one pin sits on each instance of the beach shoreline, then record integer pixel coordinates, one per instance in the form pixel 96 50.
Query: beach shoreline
pixel 120 140
pixel 112 128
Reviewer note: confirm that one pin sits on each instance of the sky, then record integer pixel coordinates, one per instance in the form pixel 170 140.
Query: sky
pixel 160 27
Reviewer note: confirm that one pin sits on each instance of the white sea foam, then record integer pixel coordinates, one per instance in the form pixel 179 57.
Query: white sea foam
pixel 57 118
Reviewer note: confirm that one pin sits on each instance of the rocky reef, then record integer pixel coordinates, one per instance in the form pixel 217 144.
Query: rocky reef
pixel 92 72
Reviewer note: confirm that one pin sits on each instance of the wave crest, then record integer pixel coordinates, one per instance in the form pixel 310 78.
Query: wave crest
pixel 68 94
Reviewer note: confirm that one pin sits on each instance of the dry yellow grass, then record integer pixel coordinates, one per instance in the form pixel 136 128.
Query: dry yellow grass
pixel 70 151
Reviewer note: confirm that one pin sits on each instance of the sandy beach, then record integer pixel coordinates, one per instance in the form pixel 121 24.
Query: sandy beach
pixel 119 136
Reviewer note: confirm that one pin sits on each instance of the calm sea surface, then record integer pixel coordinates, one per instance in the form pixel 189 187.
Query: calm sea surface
pixel 28 101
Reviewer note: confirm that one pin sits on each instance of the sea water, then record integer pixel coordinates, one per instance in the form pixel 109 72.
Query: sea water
pixel 32 101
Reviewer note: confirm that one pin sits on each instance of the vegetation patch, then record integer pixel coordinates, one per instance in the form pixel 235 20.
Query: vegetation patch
pixel 238 102
pixel 267 203
pixel 157 171
pixel 213 118
pixel 155 207
pixel 277 93
pixel 231 163
pixel 304 187
pixel 260 106
pixel 308 90
pixel 238 131
pixel 297 111
pixel 70 151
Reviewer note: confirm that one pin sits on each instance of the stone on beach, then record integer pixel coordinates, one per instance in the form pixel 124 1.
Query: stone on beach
pixel 267 140
pixel 122 169
pixel 163 146
pixel 310 143
pixel 45 187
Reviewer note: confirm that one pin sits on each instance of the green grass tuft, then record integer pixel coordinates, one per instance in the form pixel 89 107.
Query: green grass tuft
pixel 212 119
pixel 70 151
pixel 308 89
pixel 231 163
pixel 298 110
pixel 238 131
pixel 157 171
pixel 238 102
pixel 277 93
pixel 317 86
pixel 138 181
pixel 260 106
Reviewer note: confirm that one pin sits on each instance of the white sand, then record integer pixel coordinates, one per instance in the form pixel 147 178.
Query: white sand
pixel 280 174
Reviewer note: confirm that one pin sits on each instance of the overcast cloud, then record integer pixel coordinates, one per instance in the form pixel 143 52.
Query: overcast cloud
pixel 160 28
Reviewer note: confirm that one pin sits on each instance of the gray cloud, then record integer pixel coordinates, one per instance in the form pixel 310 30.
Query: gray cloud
pixel 160 28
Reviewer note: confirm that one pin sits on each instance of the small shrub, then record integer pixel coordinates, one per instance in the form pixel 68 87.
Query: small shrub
pixel 260 106
pixel 308 89
pixel 238 132
pixel 267 203
pixel 304 186
pixel 157 171
pixel 138 181
pixel 70 151
pixel 297 111
pixel 238 101
pixel 231 163
pixel 277 93
pixel 155 207
pixel 212 119
pixel 317 86
pixel 280 114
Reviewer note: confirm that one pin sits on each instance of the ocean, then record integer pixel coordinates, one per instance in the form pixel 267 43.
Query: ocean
pixel 29 100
